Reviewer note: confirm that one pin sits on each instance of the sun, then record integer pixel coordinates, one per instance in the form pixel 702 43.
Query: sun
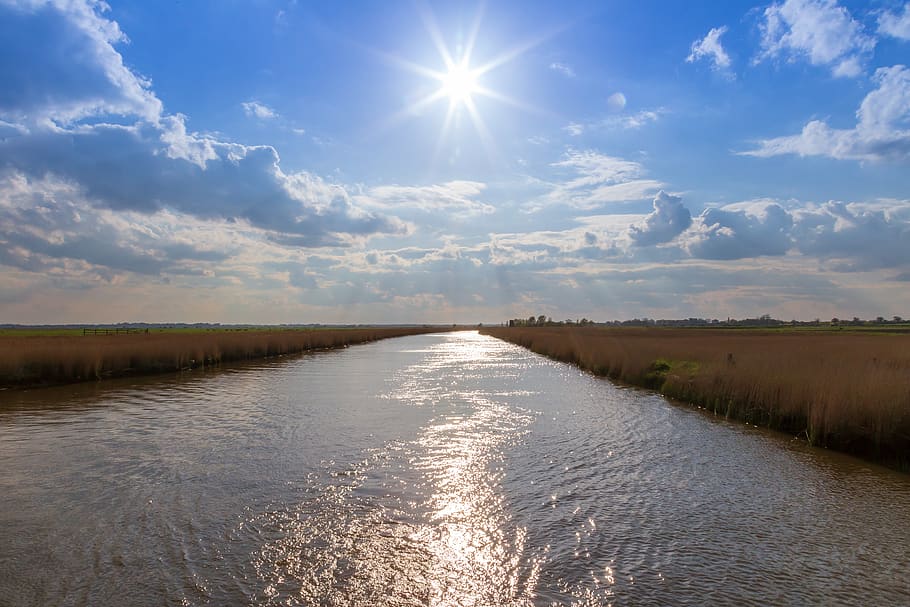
pixel 459 83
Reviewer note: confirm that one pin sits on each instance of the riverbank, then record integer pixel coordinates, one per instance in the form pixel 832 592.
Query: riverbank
pixel 44 360
pixel 849 392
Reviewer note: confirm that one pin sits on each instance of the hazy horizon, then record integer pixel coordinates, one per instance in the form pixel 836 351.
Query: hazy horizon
pixel 281 162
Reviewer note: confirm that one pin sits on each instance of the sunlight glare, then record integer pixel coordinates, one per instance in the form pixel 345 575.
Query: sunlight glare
pixel 459 83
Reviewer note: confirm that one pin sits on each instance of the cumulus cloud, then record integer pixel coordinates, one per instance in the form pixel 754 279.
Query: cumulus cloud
pixel 58 109
pixel 76 73
pixel 667 221
pixel 710 48
pixel 254 109
pixel 819 31
pixel 147 168
pixel 846 237
pixel 854 237
pixel 740 231
pixel 563 68
pixel 895 24
pixel 882 131
pixel 47 226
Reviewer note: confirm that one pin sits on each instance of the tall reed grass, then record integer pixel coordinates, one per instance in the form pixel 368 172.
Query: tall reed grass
pixel 45 360
pixel 849 392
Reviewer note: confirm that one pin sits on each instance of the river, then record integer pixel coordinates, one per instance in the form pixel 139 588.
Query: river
pixel 446 469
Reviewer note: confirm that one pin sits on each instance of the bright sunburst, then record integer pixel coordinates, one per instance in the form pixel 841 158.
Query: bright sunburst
pixel 461 82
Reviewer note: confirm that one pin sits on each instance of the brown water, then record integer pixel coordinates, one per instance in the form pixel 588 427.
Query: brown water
pixel 448 469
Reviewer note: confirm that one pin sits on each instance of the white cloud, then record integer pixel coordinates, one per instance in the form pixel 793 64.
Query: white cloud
pixel 896 25
pixel 820 31
pixel 616 102
pixel 845 237
pixel 854 237
pixel 667 221
pixel 636 120
pixel 882 131
pixel 599 179
pixel 741 231
pixel 154 164
pixel 254 109
pixel 562 68
pixel 595 168
pixel 574 129
pixel 454 197
pixel 711 48
pixel 75 74
pixel 47 226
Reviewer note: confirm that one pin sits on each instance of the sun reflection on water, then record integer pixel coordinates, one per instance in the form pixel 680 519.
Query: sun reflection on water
pixel 476 553
pixel 422 522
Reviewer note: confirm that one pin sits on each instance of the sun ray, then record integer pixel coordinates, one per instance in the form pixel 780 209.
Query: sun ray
pixel 486 139
pixel 487 92
pixel 429 23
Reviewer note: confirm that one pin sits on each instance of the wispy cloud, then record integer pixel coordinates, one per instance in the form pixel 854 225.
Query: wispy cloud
pixel 634 120
pixel 598 179
pixel 457 198
pixel 574 129
pixel 563 68
pixel 255 109
pixel 710 48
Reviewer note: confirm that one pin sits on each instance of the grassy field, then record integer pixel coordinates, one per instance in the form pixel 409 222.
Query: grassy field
pixel 848 391
pixel 36 358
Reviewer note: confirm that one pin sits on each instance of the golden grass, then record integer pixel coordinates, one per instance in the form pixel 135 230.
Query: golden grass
pixel 44 360
pixel 850 392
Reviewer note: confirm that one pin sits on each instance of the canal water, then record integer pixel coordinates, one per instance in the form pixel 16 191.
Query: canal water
pixel 448 469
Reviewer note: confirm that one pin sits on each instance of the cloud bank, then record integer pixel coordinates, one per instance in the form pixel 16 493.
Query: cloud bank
pixel 85 119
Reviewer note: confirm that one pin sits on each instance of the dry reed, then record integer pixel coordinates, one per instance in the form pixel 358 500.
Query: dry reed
pixel 849 392
pixel 46 360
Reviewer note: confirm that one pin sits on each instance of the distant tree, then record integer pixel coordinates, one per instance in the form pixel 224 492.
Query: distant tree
pixel 835 320
pixel 541 320
pixel 879 319
pixel 531 320
pixel 897 319
pixel 856 320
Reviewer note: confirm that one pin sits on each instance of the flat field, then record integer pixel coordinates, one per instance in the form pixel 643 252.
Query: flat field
pixel 844 390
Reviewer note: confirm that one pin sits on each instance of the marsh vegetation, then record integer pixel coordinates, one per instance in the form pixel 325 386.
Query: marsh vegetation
pixel 846 391
pixel 34 359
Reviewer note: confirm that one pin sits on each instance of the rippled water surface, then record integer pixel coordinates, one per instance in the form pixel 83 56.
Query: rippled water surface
pixel 449 469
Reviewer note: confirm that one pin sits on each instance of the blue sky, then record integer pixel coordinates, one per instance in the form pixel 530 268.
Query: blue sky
pixel 281 162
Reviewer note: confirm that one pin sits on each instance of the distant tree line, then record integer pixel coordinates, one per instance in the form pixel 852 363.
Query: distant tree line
pixel 546 321
pixel 762 321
